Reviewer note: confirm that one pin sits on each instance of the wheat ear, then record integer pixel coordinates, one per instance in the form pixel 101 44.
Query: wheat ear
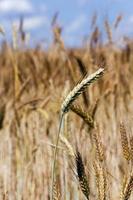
pixel 56 193
pixel 125 142
pixel 78 89
pixel 83 181
pixel 128 188
pixel 100 180
pixel 98 146
pixel 83 114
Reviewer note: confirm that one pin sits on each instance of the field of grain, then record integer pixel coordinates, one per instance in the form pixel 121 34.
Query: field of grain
pixel 94 157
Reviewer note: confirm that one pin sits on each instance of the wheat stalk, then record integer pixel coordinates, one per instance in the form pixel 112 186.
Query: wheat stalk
pixel 78 89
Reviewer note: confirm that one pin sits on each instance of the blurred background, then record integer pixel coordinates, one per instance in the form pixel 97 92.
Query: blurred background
pixel 75 18
pixel 46 48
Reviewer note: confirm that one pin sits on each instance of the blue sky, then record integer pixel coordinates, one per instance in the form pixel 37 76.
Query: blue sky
pixel 74 16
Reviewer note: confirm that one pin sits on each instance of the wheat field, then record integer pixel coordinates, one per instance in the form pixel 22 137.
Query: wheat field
pixel 94 152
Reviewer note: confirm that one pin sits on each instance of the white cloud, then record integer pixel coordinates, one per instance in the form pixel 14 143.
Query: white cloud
pixel 34 22
pixel 15 6
pixel 76 24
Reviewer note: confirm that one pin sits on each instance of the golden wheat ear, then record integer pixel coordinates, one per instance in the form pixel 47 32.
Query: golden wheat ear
pixel 127 188
pixel 125 142
pixel 79 88
pixel 83 181
pixel 100 180
pixel 98 146
pixel 84 115
pixel 56 193
pixel 131 146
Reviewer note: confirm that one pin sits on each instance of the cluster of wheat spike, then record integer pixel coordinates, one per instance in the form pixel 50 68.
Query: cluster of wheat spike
pixel 100 162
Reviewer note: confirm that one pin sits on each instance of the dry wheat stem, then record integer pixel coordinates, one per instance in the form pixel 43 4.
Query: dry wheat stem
pixel 55 155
